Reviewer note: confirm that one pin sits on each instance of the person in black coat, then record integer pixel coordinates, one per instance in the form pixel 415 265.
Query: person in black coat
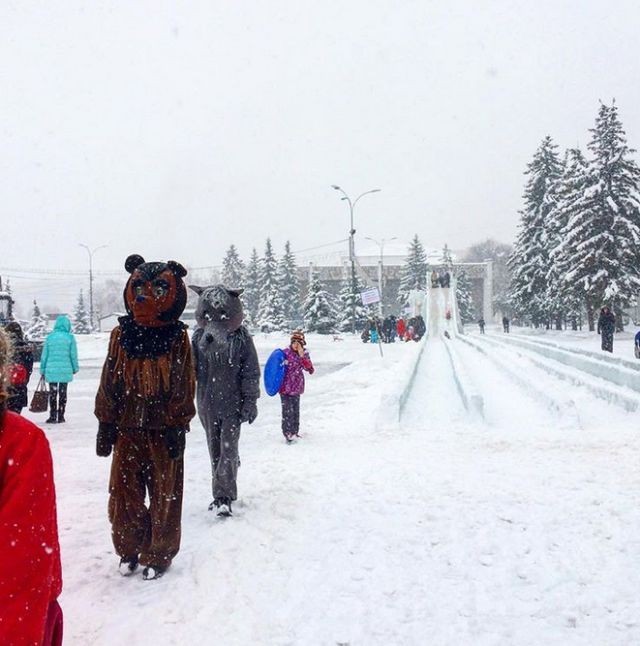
pixel 606 328
pixel 21 368
pixel 420 328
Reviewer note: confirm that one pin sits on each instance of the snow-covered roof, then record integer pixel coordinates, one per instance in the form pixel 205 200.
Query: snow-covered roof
pixel 368 253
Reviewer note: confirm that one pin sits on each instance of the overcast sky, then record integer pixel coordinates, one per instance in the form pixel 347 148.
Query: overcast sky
pixel 172 129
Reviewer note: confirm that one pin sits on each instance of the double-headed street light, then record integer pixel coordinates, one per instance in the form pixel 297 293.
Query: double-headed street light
pixel 352 254
pixel 91 252
pixel 380 244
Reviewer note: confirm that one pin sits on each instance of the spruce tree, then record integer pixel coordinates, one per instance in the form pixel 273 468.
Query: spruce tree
pixel 319 312
pixel 38 328
pixel 288 287
pixel 566 280
pixel 251 295
pixel 350 303
pixel 466 308
pixel 232 268
pixel 530 259
pixel 270 310
pixel 447 258
pixel 414 272
pixel 615 186
pixel 81 323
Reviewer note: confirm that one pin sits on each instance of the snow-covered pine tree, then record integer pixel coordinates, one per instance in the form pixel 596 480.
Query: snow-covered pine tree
pixel 38 328
pixel 565 288
pixel 288 287
pixel 251 295
pixel 615 194
pixel 81 322
pixel 414 272
pixel 270 310
pixel 232 268
pixel 466 308
pixel 530 258
pixel 318 310
pixel 447 258
pixel 350 303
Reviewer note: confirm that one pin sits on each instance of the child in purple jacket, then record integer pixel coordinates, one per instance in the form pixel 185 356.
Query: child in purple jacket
pixel 297 360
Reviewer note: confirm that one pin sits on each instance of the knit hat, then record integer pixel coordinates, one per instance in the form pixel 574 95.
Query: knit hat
pixel 298 336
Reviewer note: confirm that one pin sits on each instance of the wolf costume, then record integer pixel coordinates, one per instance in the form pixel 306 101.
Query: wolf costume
pixel 228 384
pixel 144 405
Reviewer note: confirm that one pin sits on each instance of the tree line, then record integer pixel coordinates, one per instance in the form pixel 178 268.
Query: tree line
pixel 578 245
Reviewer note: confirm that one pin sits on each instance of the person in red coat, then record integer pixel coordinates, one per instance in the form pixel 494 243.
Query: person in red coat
pixel 30 573
pixel 401 328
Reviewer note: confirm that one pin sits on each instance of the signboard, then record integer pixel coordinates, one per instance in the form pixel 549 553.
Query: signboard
pixel 370 296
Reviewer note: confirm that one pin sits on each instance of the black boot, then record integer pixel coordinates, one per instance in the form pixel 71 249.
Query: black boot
pixel 62 402
pixel 53 405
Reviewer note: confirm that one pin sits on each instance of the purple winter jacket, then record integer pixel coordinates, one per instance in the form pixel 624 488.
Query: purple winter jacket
pixel 293 382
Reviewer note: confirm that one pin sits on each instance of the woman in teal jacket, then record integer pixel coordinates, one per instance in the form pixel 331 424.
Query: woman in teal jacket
pixel 58 364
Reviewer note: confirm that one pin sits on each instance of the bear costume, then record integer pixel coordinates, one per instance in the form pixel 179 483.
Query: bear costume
pixel 144 405
pixel 228 384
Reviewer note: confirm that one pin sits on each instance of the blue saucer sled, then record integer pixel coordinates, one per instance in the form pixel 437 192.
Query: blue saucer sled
pixel 274 371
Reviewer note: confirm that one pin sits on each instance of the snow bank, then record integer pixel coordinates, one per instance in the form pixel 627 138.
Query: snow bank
pixel 399 381
pixel 553 400
pixel 600 387
pixel 615 370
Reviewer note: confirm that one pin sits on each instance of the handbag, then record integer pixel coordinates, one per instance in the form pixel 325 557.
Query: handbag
pixel 40 399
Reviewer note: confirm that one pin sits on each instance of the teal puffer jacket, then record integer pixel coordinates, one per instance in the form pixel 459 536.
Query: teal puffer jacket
pixel 59 360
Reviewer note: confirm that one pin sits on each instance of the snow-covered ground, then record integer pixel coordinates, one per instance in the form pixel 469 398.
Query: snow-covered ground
pixel 522 528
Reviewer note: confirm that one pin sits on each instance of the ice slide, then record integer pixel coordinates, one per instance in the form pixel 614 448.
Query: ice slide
pixel 441 389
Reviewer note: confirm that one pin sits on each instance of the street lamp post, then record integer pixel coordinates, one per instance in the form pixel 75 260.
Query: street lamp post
pixel 352 255
pixel 91 252
pixel 380 243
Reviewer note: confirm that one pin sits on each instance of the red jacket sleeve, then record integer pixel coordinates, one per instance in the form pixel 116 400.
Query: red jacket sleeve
pixel 30 575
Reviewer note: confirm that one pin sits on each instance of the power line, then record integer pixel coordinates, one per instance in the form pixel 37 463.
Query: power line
pixel 12 272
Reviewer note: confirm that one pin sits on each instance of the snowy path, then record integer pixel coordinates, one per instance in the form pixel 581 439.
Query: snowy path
pixel 446 531
pixel 532 526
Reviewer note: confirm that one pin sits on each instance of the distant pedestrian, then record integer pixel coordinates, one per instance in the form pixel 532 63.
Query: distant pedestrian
pixel 420 327
pixel 435 279
pixel 505 324
pixel 606 328
pixel 21 368
pixel 445 280
pixel 636 346
pixel 58 364
pixel 481 325
pixel 401 328
pixel 297 361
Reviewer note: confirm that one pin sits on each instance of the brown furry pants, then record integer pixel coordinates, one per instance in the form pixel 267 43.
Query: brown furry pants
pixel 141 465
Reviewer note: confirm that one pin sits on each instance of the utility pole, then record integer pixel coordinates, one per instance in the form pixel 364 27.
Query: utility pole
pixel 352 254
pixel 380 244
pixel 91 252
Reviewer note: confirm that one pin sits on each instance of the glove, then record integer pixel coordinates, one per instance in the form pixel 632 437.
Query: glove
pixel 106 438
pixel 176 442
pixel 248 411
